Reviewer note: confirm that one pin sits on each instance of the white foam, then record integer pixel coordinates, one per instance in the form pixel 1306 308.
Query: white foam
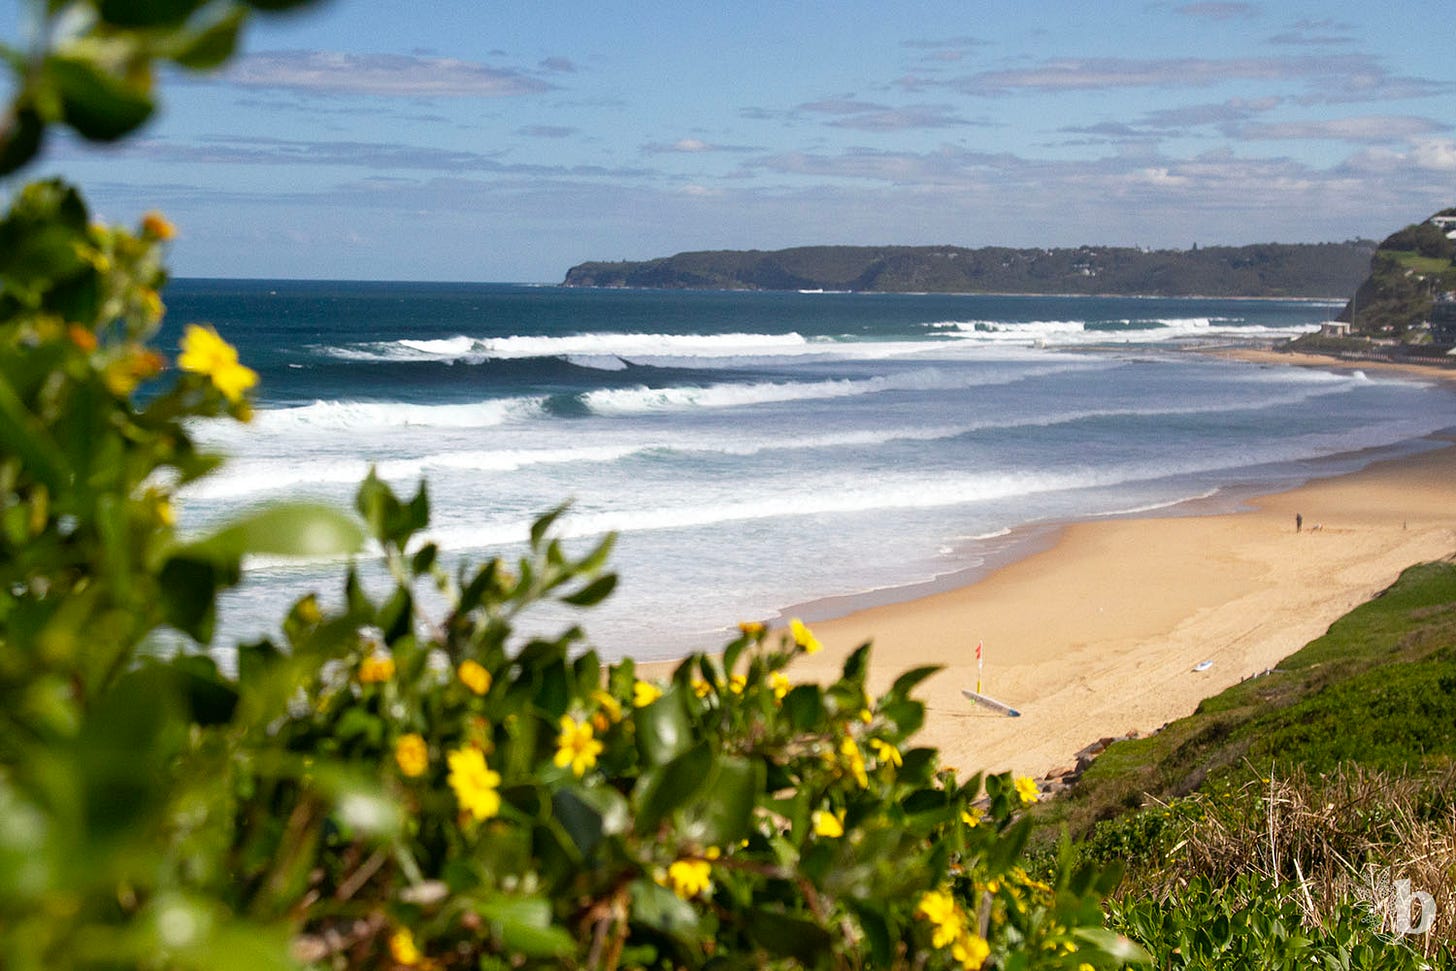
pixel 1126 330
pixel 466 349
pixel 365 415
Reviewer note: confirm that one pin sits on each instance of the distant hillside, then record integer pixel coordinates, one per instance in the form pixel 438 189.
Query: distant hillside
pixel 1407 273
pixel 1263 270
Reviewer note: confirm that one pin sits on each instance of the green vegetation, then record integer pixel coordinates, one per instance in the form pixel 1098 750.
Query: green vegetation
pixel 1265 270
pixel 380 785
pixel 1395 299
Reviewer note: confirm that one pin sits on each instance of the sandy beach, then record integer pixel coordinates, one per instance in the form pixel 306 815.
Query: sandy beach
pixel 1099 634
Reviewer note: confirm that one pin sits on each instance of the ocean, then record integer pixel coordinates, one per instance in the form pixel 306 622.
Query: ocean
pixel 761 453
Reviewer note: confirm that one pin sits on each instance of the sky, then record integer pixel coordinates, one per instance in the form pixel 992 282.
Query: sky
pixel 508 141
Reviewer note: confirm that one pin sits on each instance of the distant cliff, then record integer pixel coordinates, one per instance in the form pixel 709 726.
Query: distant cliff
pixel 1263 270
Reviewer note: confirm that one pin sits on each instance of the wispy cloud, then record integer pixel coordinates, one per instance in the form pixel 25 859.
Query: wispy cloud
pixel 546 131
pixel 945 51
pixel 1329 79
pixel 691 146
pixel 377 156
pixel 387 75
pixel 1219 11
pixel 1315 33
pixel 1371 129
pixel 847 111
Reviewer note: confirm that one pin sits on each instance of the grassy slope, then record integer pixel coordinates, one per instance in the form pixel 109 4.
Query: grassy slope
pixel 1378 689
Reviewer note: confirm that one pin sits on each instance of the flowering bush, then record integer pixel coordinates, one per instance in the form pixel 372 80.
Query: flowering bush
pixel 378 786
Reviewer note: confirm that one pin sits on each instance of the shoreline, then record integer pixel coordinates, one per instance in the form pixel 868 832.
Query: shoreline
pixel 1097 635
pixel 1092 628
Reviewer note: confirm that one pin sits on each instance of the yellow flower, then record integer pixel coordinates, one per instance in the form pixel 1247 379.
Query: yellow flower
pixel 827 824
pixel 644 693
pixel 474 676
pixel 157 226
pixel 804 637
pixel 1026 790
pixel 973 816
pixel 701 688
pixel 751 628
pixel 402 948
pixel 82 337
pixel 308 610
pixel 474 783
pixel 971 950
pixel 885 752
pixel 151 302
pixel 374 669
pixel 412 755
pixel 779 682
pixel 939 907
pixel 690 878
pixel 737 683
pixel 576 747
pixel 204 352
pixel 855 760
pixel 124 373
pixel 609 706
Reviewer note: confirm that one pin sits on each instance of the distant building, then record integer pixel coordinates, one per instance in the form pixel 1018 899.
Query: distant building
pixel 1446 224
pixel 1443 319
pixel 1335 328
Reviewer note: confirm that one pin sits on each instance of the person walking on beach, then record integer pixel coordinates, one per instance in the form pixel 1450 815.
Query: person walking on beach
pixel 1298 523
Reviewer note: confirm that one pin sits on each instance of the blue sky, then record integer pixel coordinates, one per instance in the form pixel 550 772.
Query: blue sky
pixel 459 140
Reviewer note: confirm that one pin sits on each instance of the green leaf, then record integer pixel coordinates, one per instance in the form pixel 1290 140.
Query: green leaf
pixel 284 529
pixel 99 105
pixel 906 682
pixel 663 729
pixel 524 926
pixel 805 707
pixel 669 787
pixel 593 593
pixel 543 524
pixel 148 13
pixel 662 910
pixel 581 821
pixel 725 815
pixel 794 937
pixel 1114 945
pixel 20 139
pixel 857 665
pixel 276 6
pixel 188 587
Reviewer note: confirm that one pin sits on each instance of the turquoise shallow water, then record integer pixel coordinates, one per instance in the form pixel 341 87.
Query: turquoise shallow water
pixel 758 450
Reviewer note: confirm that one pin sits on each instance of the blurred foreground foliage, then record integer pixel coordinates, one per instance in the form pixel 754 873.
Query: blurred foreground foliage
pixel 380 787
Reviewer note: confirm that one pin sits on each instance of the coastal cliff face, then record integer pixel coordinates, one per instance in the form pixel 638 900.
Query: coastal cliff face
pixel 1263 270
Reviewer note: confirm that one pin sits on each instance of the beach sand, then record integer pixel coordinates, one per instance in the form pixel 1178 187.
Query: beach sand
pixel 1098 635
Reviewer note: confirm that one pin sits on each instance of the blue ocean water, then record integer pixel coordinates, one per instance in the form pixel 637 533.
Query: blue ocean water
pixel 760 450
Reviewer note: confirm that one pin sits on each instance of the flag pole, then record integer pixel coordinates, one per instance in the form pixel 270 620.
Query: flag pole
pixel 979 667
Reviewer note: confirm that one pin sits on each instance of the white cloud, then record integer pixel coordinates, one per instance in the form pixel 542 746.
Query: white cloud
pixel 1436 155
pixel 387 75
